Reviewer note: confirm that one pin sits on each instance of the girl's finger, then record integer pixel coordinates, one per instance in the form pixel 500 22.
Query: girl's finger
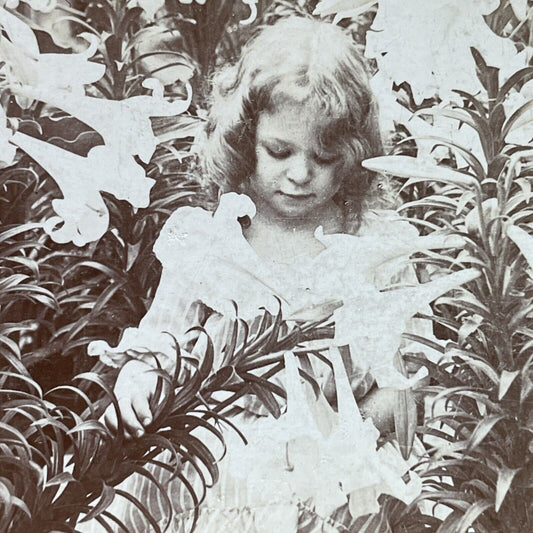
pixel 141 407
pixel 110 418
pixel 129 418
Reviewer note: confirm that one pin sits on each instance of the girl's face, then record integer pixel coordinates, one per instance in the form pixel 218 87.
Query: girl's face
pixel 294 178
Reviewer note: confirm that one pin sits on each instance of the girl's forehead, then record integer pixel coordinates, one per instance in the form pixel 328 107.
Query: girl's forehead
pixel 289 118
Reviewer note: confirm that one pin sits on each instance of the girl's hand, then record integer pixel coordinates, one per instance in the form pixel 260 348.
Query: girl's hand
pixel 134 387
pixel 378 404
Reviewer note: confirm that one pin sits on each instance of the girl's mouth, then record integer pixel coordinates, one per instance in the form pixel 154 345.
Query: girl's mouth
pixel 297 196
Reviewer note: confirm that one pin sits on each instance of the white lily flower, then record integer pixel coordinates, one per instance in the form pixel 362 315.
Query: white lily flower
pixel 52 72
pixel 372 322
pixel 392 112
pixel 405 166
pixel 78 220
pixel 440 35
pixel 82 211
pixel 7 150
pixel 313 452
pixel 45 6
pixel 124 124
pixel 370 253
pixel 449 129
pixel 342 8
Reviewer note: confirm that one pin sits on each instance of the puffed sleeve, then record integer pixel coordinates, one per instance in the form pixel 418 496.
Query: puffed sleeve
pixel 176 305
pixel 199 282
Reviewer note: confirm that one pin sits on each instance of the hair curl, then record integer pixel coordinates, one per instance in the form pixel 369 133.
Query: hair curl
pixel 306 61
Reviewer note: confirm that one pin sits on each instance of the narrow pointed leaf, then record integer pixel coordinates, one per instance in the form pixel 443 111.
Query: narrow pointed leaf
pixel 410 167
pixel 505 479
pixel 484 427
pixel 472 514
pixel 106 498
pixel 506 380
pixel 405 420
pixel 523 115
pixel 523 240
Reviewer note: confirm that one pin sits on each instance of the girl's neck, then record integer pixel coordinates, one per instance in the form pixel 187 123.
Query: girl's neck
pixel 287 240
pixel 330 217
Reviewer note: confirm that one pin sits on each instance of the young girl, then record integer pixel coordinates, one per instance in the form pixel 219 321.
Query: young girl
pixel 289 126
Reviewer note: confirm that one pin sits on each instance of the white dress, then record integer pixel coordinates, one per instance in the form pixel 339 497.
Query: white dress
pixel 314 469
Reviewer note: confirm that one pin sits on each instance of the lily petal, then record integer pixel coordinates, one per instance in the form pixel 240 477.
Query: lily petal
pixel 83 212
pixel 79 220
pixel 342 8
pixel 410 167
pixel 135 135
pixel 437 36
pixel 372 323
pixel 7 150
pixel 28 66
pixel 45 6
pixel 70 71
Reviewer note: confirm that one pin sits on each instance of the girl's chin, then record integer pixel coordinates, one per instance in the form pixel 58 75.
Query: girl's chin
pixel 281 206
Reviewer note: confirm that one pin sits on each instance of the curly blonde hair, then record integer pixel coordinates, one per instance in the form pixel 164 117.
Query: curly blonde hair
pixel 304 61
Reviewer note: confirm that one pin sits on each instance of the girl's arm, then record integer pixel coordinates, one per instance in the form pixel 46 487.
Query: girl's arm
pixel 151 345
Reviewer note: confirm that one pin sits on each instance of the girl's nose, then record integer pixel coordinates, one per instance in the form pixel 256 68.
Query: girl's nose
pixel 300 171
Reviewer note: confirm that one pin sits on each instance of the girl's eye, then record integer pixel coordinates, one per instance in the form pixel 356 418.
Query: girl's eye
pixel 278 153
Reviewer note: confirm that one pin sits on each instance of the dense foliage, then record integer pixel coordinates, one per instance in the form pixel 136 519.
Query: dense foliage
pixel 82 203
pixel 478 432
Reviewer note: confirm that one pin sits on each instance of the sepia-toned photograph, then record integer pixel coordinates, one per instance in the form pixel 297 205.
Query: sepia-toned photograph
pixel 266 266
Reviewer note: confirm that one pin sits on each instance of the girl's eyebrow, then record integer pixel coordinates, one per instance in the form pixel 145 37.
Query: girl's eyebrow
pixel 274 139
